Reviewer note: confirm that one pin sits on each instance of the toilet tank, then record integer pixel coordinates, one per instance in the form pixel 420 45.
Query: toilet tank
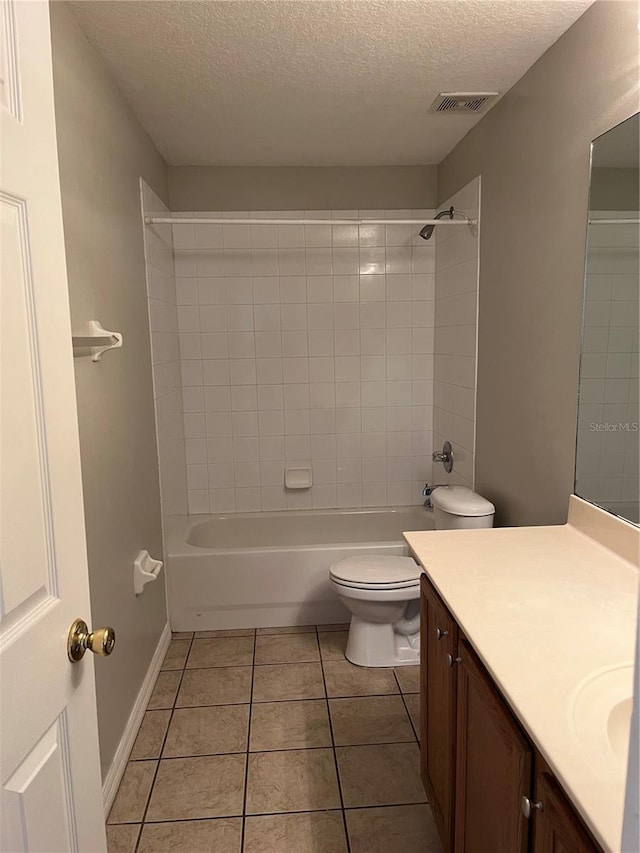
pixel 459 508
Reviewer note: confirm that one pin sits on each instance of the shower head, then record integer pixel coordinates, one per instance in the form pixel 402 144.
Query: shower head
pixel 427 231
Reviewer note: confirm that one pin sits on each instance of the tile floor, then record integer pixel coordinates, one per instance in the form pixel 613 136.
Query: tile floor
pixel 270 741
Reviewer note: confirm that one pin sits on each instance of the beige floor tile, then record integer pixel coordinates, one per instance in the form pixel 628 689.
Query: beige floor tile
pixel 188 788
pixel 207 731
pixel 122 839
pixel 221 651
pixel 407 828
pixel 194 836
pixel 408 678
pixel 226 632
pixel 345 679
pixel 295 780
pixel 289 725
pixel 164 692
pixel 224 685
pixel 148 743
pixel 288 681
pixel 182 635
pixel 388 774
pixel 333 644
pixel 287 648
pixel 370 719
pixel 176 654
pixel 291 629
pixel 131 799
pixel 412 701
pixel 338 626
pixel 314 832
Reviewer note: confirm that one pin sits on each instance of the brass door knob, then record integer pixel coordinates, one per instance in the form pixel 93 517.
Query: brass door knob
pixel 100 642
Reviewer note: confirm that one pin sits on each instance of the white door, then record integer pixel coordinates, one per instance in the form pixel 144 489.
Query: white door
pixel 49 764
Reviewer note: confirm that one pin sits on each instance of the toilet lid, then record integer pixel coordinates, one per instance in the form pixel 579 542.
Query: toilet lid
pixel 373 570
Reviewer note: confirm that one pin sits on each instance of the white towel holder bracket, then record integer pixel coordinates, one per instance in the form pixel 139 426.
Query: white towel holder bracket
pixel 96 342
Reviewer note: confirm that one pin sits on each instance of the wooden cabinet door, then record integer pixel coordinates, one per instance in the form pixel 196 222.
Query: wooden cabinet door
pixel 556 829
pixel 438 689
pixel 493 766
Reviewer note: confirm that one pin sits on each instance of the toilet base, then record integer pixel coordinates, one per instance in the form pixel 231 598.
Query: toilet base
pixel 374 644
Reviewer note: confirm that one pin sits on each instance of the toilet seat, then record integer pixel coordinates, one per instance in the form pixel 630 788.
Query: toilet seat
pixel 374 586
pixel 376 572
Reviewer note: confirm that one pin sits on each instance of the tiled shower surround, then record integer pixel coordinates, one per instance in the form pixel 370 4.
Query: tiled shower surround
pixel 305 346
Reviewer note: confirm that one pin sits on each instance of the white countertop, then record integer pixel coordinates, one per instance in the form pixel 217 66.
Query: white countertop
pixel 544 608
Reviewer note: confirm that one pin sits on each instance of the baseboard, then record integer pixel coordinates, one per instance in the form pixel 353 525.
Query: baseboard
pixel 119 763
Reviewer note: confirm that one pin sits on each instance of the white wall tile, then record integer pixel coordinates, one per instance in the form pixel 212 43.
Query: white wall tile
pixel 293 317
pixel 321 342
pixel 306 343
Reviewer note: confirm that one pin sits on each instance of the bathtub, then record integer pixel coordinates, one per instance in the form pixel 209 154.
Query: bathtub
pixel 267 569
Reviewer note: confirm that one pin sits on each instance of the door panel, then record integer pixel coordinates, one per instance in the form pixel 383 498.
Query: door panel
pixel 38 804
pixel 493 767
pixel 26 511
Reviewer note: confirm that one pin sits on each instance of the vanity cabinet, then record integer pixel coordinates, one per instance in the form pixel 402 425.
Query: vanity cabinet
pixel 489 789
pixel 438 691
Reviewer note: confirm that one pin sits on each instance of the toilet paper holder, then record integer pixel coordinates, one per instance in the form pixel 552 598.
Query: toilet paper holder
pixel 145 570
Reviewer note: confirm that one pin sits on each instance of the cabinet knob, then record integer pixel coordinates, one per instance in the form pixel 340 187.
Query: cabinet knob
pixel 440 634
pixel 527 807
pixel 451 660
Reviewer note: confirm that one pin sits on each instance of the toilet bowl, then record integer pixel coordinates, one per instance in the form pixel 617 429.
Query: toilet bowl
pixel 383 593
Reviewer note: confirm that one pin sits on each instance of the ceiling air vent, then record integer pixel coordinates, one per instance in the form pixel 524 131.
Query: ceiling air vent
pixel 463 102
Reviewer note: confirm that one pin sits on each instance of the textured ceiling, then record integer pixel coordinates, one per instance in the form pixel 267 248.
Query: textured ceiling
pixel 314 82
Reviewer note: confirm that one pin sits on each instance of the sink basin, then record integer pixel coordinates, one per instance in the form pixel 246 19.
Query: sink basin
pixel 601 719
pixel 619 726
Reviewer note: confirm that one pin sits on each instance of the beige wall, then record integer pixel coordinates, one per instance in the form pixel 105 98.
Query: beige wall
pixel 102 152
pixel 532 151
pixel 299 188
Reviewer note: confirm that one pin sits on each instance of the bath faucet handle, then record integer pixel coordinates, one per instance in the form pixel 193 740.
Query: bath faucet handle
pixel 445 456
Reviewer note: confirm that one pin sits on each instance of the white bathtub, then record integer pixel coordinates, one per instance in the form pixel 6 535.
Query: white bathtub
pixel 268 569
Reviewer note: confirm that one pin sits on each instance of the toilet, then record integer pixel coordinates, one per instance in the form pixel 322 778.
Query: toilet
pixel 382 592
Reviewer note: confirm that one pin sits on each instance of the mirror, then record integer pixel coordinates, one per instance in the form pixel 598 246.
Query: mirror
pixel 608 437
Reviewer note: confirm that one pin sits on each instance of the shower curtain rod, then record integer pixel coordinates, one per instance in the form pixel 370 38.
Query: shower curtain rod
pixel 614 222
pixel 164 220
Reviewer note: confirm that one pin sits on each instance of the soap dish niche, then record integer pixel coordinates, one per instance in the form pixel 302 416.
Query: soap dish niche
pixel 298 478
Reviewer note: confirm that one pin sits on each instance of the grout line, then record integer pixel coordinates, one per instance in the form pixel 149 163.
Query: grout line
pixel 246 760
pixel 333 746
pixel 268 663
pixel 272 814
pixel 164 740
pixel 395 675
pixel 271 702
pixel 277 749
